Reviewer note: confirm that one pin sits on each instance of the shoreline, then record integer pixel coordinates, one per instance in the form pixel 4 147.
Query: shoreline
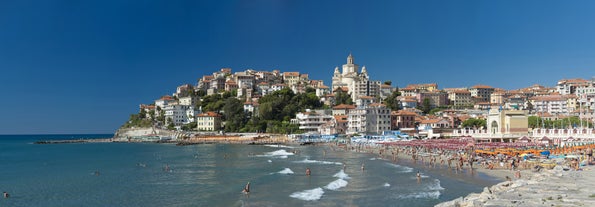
pixel 548 187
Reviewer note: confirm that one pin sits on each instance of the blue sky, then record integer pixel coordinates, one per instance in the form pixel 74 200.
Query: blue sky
pixel 84 66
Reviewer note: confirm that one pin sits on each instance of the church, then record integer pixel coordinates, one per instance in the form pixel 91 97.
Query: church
pixel 357 82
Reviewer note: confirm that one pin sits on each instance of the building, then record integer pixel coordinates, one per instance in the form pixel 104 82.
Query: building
pixel 178 114
pixel 209 121
pixel 291 78
pixel 481 93
pixel 342 109
pixel 373 119
pixel 187 101
pixel 357 82
pixel 402 119
pixel 430 87
pixel 552 104
pixel 460 99
pixel 436 98
pixel 311 120
pixel 507 122
pixel 569 86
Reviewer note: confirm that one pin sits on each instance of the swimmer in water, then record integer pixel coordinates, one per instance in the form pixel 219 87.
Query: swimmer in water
pixel 308 172
pixel 167 168
pixel 5 194
pixel 363 167
pixel 96 173
pixel 418 177
pixel 246 188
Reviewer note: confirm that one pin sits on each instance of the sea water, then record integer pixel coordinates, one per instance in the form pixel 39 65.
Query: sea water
pixel 150 174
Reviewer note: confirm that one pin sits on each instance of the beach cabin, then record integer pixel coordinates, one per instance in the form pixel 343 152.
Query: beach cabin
pixel 524 139
pixel 545 140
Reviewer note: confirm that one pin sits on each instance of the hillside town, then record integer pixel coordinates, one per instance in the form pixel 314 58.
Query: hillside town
pixel 357 104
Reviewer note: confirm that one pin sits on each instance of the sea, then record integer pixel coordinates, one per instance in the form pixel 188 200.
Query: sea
pixel 157 174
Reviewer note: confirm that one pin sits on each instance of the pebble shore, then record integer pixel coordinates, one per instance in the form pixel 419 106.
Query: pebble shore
pixel 555 187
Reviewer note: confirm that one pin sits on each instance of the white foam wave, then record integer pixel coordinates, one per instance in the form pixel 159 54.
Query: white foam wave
pixel 279 146
pixel 269 161
pixel 308 195
pixel 402 169
pixel 386 185
pixel 429 194
pixel 277 154
pixel 339 183
pixel 286 171
pixel 435 185
pixel 373 158
pixel 341 174
pixel 318 162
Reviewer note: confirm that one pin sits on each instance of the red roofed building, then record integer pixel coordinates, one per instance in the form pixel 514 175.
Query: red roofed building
pixel 342 109
pixel 481 93
pixel 402 119
pixel 209 121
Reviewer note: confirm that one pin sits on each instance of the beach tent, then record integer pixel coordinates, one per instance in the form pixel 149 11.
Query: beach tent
pixel 524 139
pixel 545 140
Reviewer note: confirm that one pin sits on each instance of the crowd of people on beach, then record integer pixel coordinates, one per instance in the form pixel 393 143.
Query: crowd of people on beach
pixel 467 157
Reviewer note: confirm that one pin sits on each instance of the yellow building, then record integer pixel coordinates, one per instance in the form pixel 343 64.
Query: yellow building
pixel 508 122
pixel 209 121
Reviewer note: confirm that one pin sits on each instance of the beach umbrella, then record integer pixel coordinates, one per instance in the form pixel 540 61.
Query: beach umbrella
pixel 546 152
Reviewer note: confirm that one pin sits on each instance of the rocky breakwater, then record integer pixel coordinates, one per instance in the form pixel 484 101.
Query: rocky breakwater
pixel 556 187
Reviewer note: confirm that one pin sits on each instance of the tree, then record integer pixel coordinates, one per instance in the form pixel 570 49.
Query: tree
pixel 426 106
pixel 342 98
pixel 234 115
pixel 392 101
pixel 388 82
pixel 474 123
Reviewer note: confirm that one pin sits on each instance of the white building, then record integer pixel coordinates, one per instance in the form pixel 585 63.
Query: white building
pixel 312 120
pixel 177 114
pixel 552 104
pixel 373 119
pixel 357 82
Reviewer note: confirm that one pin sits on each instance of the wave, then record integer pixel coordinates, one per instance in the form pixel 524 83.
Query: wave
pixel 278 146
pixel 341 174
pixel 308 195
pixel 285 171
pixel 269 161
pixel 318 162
pixel 339 183
pixel 427 194
pixel 435 185
pixel 276 154
pixel 402 169
pixel 386 185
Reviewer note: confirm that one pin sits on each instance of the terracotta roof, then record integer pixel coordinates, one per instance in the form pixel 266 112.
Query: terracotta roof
pixel 430 121
pixel 376 105
pixel 291 74
pixel 344 106
pixel 481 86
pixel 166 98
pixel 209 114
pixel 403 113
pixel 341 118
pixel 549 98
pixel 366 97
